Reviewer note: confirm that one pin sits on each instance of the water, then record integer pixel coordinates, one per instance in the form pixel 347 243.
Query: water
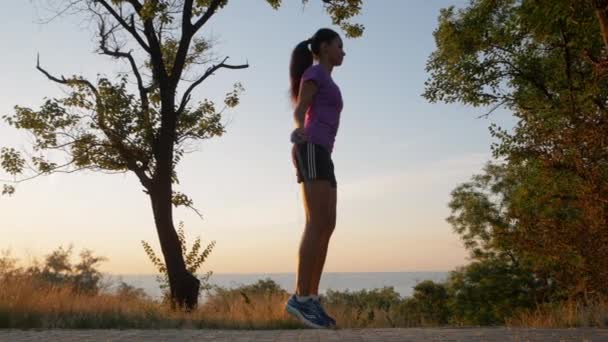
pixel 402 282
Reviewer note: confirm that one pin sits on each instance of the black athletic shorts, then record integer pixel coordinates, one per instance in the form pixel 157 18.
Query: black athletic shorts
pixel 313 162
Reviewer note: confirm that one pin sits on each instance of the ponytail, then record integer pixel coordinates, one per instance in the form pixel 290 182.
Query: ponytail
pixel 301 59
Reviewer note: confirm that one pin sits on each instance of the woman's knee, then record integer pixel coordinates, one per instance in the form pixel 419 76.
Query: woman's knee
pixel 322 222
pixel 319 223
pixel 328 227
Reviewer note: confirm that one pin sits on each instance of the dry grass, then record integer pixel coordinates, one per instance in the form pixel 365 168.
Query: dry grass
pixel 26 303
pixel 260 311
pixel 355 318
pixel 564 315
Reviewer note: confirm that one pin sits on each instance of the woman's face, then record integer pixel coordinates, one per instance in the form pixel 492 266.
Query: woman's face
pixel 335 51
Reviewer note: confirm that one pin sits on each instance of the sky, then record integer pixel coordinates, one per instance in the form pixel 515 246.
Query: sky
pixel 397 157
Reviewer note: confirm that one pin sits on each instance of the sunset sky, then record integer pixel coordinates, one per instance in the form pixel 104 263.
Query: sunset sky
pixel 397 156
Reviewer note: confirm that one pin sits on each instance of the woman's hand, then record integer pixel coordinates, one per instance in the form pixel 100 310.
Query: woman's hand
pixel 298 136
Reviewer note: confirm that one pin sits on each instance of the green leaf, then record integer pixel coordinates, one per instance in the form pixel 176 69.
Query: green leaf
pixel 8 189
pixel 11 161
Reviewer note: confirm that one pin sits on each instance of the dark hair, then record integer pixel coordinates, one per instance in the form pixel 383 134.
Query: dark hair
pixel 302 57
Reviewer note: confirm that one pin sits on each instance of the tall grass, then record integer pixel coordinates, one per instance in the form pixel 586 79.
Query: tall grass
pixel 565 314
pixel 27 303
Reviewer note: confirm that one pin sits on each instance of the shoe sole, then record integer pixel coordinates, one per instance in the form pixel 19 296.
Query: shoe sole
pixel 303 319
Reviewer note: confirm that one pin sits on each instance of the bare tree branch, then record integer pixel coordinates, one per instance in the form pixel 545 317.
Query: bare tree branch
pixel 188 31
pixel 156 56
pixel 186 16
pixel 196 211
pixel 184 43
pixel 60 12
pixel 143 91
pixel 130 28
pixel 93 168
pixel 210 71
pixel 210 11
pixel 136 5
pixel 495 107
pixel 52 170
pixel 65 81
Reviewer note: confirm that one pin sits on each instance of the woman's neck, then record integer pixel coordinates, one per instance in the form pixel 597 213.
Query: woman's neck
pixel 326 65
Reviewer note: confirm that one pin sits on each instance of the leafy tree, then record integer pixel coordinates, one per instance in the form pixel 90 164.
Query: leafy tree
pixel 487 292
pixel 128 291
pixel 543 205
pixel 8 265
pixel 365 301
pixel 59 269
pixel 432 300
pixel 102 126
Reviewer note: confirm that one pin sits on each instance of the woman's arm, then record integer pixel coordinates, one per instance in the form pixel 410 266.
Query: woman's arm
pixel 307 93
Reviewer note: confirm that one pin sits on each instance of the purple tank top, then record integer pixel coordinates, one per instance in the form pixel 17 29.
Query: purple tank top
pixel 323 116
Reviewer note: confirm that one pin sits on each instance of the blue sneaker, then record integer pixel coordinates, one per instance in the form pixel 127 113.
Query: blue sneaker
pixel 307 312
pixel 331 320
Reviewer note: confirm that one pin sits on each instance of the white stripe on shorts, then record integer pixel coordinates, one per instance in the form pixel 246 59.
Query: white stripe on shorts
pixel 309 161
pixel 314 161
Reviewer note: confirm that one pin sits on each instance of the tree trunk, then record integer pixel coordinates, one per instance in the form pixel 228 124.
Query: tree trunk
pixel 600 12
pixel 184 286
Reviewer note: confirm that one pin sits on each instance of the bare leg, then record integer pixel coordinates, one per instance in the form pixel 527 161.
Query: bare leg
pixel 316 197
pixel 327 232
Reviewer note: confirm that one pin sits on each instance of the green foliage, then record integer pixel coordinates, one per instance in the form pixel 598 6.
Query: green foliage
pixel 180 199
pixel 194 260
pixel 340 11
pixel 365 302
pixel 428 306
pixel 479 213
pixel 8 189
pixel 544 205
pixel 11 160
pixel 8 265
pixel 199 53
pixel 431 300
pixel 58 269
pixel 128 291
pixel 202 5
pixel 116 128
pixel 382 298
pixel 89 139
pixel 232 98
pixel 263 287
pixel 488 292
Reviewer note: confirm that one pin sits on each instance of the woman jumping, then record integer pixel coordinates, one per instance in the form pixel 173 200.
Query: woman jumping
pixel 318 103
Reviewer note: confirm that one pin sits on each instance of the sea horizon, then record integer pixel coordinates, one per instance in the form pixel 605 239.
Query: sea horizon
pixel 402 282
